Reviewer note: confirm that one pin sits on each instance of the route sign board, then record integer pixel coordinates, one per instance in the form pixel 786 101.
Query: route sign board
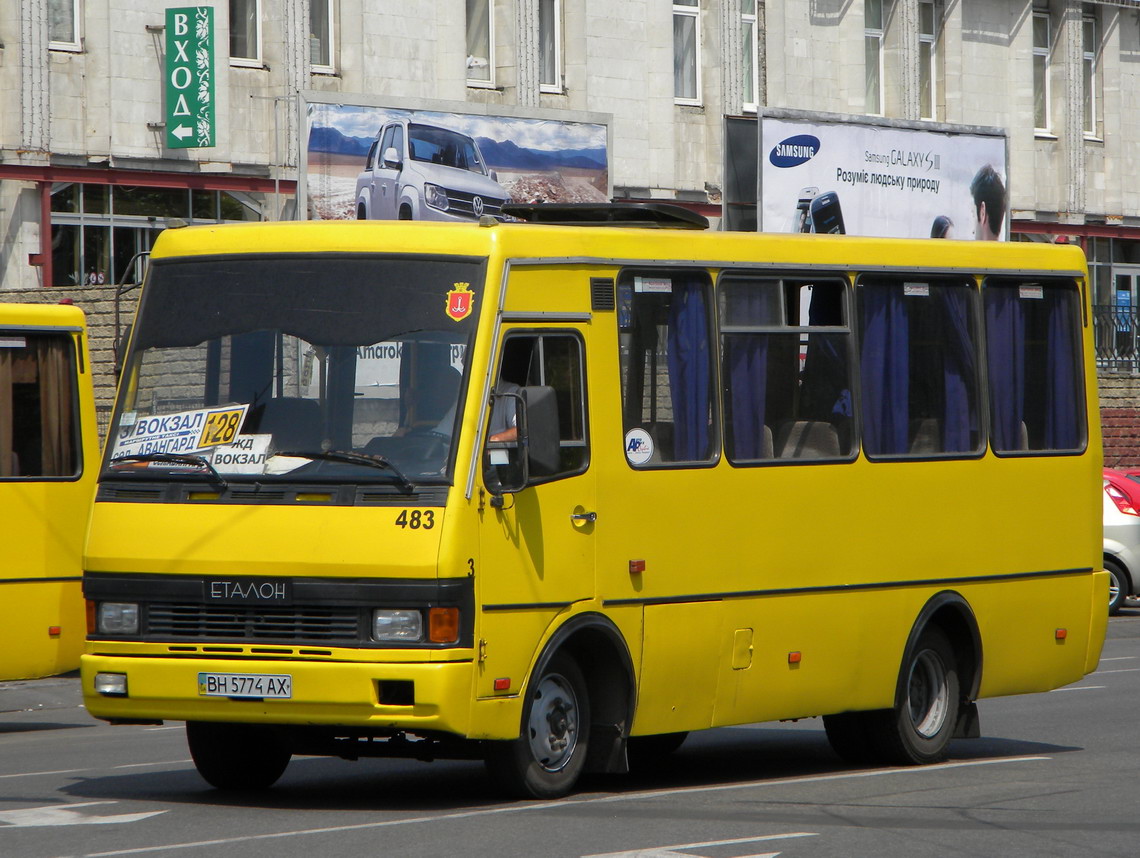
pixel 190 77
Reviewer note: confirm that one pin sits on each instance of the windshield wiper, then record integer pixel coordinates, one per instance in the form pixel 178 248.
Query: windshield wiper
pixel 369 460
pixel 176 459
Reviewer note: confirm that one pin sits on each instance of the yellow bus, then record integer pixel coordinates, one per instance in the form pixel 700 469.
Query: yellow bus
pixel 548 493
pixel 48 462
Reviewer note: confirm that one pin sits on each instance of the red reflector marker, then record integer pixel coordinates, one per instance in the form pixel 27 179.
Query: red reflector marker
pixel 503 684
pixel 636 566
pixel 1061 634
pixel 794 658
pixel 54 631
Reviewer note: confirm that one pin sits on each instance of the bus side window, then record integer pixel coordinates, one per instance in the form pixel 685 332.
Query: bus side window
pixel 38 419
pixel 665 324
pixel 918 366
pixel 785 368
pixel 1034 365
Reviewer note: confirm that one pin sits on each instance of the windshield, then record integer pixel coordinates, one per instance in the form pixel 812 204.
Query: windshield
pixel 261 368
pixel 440 146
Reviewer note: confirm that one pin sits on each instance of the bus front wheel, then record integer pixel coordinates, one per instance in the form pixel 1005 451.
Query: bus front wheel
pixel 237 756
pixel 918 730
pixel 547 758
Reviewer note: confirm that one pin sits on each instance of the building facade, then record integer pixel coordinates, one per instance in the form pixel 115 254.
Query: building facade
pixel 87 179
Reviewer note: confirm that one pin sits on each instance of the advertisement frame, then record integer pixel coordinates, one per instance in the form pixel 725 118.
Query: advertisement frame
pixel 863 123
pixel 309 98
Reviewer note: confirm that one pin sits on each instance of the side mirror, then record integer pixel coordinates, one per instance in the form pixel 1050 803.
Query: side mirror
pixel 391 158
pixel 509 465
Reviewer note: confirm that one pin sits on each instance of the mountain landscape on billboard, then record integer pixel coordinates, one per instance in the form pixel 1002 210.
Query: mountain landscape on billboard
pixel 506 154
pixel 498 153
pixel 324 138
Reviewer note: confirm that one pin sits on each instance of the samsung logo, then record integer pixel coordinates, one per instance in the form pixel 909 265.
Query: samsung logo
pixel 794 151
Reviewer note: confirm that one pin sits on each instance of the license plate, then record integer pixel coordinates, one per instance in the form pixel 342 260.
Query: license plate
pixel 259 685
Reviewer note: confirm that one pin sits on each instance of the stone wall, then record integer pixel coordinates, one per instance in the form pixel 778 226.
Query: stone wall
pixel 1120 419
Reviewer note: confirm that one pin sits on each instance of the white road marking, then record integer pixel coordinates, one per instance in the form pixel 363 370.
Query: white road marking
pixel 1079 688
pixel 1121 670
pixel 670 851
pixel 94 769
pixel 565 803
pixel 65 814
pixel 1120 658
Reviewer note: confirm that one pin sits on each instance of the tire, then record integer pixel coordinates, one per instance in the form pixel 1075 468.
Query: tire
pixel 361 214
pixel 918 730
pixel 404 214
pixel 1118 586
pixel 547 758
pixel 237 756
pixel 646 752
pixel 849 734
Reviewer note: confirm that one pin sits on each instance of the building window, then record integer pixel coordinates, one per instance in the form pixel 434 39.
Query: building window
pixel 321 30
pixel 245 32
pixel 750 71
pixel 927 59
pixel 97 231
pixel 480 43
pixel 1042 42
pixel 1088 73
pixel 687 51
pixel 550 45
pixel 63 25
pixel 873 49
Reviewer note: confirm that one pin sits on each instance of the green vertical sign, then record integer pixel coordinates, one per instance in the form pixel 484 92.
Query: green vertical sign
pixel 190 77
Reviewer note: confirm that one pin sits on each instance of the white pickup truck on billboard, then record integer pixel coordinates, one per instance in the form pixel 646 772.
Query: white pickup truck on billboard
pixel 863 178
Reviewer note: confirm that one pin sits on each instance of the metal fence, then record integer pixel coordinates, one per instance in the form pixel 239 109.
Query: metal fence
pixel 1117 333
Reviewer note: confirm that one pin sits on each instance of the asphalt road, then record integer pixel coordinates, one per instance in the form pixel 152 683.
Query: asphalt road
pixel 1054 775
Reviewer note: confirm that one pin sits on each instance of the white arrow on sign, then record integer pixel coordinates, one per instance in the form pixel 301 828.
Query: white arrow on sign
pixel 182 132
pixel 67 815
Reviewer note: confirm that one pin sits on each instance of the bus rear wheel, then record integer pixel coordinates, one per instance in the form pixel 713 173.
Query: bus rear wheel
pixel 547 758
pixel 918 730
pixel 237 756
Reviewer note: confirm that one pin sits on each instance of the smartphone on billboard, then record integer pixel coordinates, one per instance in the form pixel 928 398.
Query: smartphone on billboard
pixel 802 222
pixel 826 215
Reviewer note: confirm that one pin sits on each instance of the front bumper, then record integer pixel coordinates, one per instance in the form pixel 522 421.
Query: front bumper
pixel 323 693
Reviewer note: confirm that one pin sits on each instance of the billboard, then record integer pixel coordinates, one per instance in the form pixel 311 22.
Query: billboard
pixel 863 177
pixel 445 161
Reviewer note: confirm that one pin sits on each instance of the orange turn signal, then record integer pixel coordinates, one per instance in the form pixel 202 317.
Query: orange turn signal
pixel 443 625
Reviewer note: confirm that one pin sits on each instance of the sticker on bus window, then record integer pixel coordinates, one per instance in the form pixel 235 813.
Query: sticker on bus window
pixel 1033 292
pixel 13 342
pixel 459 302
pixel 916 290
pixel 638 446
pixel 248 454
pixel 653 284
pixel 182 432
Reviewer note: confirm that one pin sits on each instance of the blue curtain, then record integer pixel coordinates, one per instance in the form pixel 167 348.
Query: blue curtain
pixel 959 372
pixel 746 368
pixel 1062 401
pixel 689 372
pixel 1005 353
pixel 885 369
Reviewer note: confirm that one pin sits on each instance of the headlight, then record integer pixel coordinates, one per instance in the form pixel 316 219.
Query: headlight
pixel 393 625
pixel 111 684
pixel 118 618
pixel 435 196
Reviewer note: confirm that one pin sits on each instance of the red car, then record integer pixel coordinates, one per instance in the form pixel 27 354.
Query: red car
pixel 1122 534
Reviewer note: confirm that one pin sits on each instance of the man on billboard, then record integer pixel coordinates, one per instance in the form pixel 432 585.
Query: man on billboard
pixel 988 191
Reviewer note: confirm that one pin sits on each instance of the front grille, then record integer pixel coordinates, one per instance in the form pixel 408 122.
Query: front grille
pixel 293 624
pixel 462 202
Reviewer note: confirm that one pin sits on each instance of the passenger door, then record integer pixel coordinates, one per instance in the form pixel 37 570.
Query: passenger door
pixel 537 547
